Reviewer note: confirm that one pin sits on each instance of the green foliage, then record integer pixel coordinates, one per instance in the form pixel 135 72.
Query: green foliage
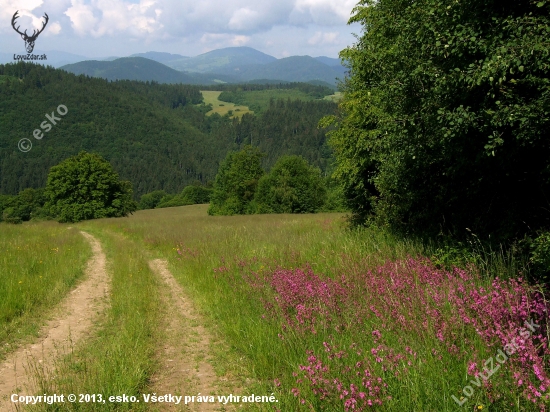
pixel 197 194
pixel 236 182
pixel 335 200
pixel 4 204
pixel 292 186
pixel 155 135
pixel 539 256
pixel 191 195
pixel 445 116
pixel 151 200
pixel 11 215
pixel 86 187
pixel 173 201
pixel 26 205
pixel 257 98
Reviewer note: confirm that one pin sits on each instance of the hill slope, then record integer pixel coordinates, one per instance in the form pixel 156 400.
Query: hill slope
pixel 155 135
pixel 160 57
pixel 137 68
pixel 223 61
pixel 292 69
pixel 229 65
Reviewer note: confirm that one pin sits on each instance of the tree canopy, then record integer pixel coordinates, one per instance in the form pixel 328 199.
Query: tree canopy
pixel 157 136
pixel 444 124
pixel 236 181
pixel 292 186
pixel 86 187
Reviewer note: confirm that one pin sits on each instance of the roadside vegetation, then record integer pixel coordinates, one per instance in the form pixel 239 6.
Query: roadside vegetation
pixel 39 264
pixel 119 356
pixel 305 303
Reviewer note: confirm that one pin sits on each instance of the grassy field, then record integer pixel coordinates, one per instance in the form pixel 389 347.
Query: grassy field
pixel 39 264
pixel 336 97
pixel 258 100
pixel 323 317
pixel 223 108
pixel 119 357
pixel 299 302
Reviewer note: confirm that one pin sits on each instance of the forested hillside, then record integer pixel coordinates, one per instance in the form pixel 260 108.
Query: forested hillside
pixel 156 136
pixel 142 69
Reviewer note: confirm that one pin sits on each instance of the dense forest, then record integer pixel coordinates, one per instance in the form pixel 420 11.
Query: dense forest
pixel 156 136
pixel 444 124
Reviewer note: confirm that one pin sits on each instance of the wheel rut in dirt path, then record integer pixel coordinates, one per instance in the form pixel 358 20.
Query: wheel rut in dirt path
pixel 73 320
pixel 185 351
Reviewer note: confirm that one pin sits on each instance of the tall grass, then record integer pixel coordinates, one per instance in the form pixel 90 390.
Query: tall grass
pixel 325 317
pixel 39 264
pixel 119 357
pixel 240 270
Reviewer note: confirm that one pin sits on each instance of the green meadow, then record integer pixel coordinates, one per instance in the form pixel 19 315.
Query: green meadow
pixel 238 272
pixel 39 264
pixel 259 100
pixel 223 108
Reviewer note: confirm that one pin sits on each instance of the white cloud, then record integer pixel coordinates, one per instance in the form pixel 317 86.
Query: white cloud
pixel 53 28
pixel 82 17
pixel 323 38
pixel 26 18
pixel 9 7
pixel 188 27
pixel 243 19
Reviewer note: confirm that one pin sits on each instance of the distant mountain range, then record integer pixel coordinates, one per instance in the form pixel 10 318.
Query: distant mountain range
pixel 139 68
pixel 221 61
pixel 228 65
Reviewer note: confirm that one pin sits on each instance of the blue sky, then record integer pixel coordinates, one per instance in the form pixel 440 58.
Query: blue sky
pixel 101 28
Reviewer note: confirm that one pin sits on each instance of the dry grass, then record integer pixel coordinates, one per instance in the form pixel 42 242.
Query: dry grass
pixel 336 97
pixel 223 108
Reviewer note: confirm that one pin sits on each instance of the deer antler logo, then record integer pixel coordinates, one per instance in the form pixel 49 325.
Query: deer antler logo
pixel 29 40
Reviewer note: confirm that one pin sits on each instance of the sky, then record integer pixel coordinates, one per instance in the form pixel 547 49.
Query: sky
pixel 104 28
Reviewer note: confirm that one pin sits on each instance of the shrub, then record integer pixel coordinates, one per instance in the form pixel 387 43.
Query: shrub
pixel 173 201
pixel 540 257
pixel 151 200
pixel 86 187
pixel 11 215
pixel 236 182
pixel 197 194
pixel 292 186
pixel 21 208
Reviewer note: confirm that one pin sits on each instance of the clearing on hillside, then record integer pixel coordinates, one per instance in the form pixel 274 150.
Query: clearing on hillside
pixel 336 97
pixel 223 108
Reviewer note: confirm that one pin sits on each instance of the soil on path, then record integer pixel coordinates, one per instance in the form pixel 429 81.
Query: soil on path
pixel 185 355
pixel 72 322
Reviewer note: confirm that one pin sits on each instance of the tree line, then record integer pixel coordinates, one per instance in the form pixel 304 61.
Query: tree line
pixel 444 126
pixel 86 186
pixel 291 186
pixel 156 136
